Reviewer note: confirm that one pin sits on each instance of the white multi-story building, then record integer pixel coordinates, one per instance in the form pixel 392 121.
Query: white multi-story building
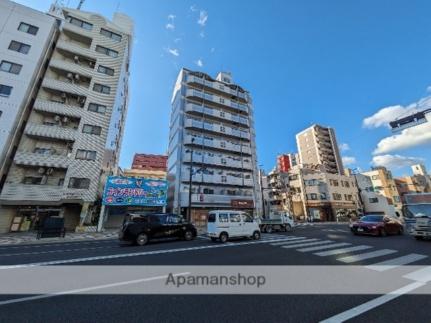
pixel 73 134
pixel 212 119
pixel 26 36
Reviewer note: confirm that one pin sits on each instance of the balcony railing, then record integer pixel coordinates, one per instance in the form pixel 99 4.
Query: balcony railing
pixel 58 108
pixel 43 160
pixel 55 132
pixel 218 144
pixel 224 200
pixel 221 129
pixel 215 86
pixel 217 100
pixel 218 161
pixel 67 87
pixel 81 69
pixel 191 107
pixel 75 48
pixel 22 192
pixel 217 179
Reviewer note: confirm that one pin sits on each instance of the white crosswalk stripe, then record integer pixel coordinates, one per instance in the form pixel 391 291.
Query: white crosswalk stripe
pixel 367 255
pixel 306 244
pixel 334 245
pixel 421 275
pixel 342 250
pixel 291 241
pixel 396 262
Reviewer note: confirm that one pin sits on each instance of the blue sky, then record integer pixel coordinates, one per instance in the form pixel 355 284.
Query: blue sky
pixel 335 63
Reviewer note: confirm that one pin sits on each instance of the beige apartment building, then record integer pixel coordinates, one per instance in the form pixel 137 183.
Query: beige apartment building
pixel 73 134
pixel 384 184
pixel 317 145
pixel 419 182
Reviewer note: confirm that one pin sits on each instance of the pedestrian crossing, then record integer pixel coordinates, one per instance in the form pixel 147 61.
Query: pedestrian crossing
pixel 347 253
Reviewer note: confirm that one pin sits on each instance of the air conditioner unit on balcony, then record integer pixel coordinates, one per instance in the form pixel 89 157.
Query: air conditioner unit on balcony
pixel 41 170
pixel 81 101
pixel 76 59
pixel 57 118
pixel 65 119
pixel 70 76
pixel 91 64
pixel 77 77
pixel 49 171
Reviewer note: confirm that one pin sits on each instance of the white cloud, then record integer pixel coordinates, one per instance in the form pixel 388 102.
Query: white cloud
pixel 408 138
pixel 202 34
pixel 177 40
pixel 203 17
pixel 173 51
pixel 212 50
pixel 344 147
pixel 193 8
pixel 171 17
pixel 395 161
pixel 170 25
pixel 349 160
pixel 199 62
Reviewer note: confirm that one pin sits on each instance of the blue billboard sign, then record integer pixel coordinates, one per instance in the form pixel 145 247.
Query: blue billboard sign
pixel 123 191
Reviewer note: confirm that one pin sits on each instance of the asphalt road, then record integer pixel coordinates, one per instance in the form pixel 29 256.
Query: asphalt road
pixel 271 250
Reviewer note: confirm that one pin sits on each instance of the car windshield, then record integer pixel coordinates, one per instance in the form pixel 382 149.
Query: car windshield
pixel 419 210
pixel 211 217
pixel 372 218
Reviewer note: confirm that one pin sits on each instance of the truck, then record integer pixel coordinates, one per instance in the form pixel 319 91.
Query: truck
pixel 276 221
pixel 417 215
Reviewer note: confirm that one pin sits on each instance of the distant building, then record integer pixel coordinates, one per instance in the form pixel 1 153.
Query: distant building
pixel 419 182
pixel 148 166
pixel 275 186
pixel 286 161
pixel 384 184
pixel 318 145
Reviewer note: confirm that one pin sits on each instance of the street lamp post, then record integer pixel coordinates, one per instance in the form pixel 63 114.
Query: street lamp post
pixel 189 209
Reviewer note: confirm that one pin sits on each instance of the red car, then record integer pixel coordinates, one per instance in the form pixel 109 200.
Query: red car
pixel 378 225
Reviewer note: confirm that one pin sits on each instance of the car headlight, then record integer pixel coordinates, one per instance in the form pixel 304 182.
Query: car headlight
pixel 373 227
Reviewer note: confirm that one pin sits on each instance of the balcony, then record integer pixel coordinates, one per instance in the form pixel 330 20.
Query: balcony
pixel 54 132
pixel 67 87
pixel 215 85
pixel 217 128
pixel 217 179
pixel 190 107
pixel 57 108
pixel 22 192
pixel 216 100
pixel 75 48
pixel 218 144
pixel 217 161
pixel 214 199
pixel 26 158
pixel 78 31
pixel 81 69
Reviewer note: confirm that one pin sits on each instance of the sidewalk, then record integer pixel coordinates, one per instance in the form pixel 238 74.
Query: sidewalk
pixel 18 238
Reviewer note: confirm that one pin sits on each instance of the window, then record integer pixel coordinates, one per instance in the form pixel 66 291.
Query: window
pixel 235 217
pixel 222 114
pixel 29 29
pixel 323 196
pixel 208 191
pixel 19 47
pixel 43 151
pixel 312 196
pixel 110 34
pixel 30 180
pixel 10 67
pixel 223 179
pixel 106 51
pixel 79 23
pixel 94 107
pixel 247 218
pixel 101 88
pixel 5 90
pixel 61 182
pixel 373 200
pixel 346 184
pixel 333 182
pixel 348 197
pixel 222 144
pixel 85 154
pixel 396 198
pixel 222 129
pixel 81 183
pixel 105 70
pixel 92 130
pixel 337 196
pixel 374 177
pixel 223 217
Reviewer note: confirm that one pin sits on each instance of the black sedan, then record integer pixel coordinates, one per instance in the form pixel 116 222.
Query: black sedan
pixel 140 229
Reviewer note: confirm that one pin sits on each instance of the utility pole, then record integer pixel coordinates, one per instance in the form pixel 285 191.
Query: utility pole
pixel 189 209
pixel 81 2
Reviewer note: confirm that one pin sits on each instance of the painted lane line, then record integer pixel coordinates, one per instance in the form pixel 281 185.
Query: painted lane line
pixel 52 244
pixel 87 289
pixel 334 245
pixel 306 244
pixel 396 262
pixel 367 255
pixel 358 310
pixel 53 251
pixel 134 254
pixel 342 250
pixel 290 241
pixel 421 275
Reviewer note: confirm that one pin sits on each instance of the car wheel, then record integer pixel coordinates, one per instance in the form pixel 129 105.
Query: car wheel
pixel 142 239
pixel 355 233
pixel 256 235
pixel 419 238
pixel 383 233
pixel 188 235
pixel 268 229
pixel 288 228
pixel 224 237
pixel 213 239
pixel 401 231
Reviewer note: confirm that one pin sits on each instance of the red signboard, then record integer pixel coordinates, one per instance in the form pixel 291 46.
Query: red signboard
pixel 242 204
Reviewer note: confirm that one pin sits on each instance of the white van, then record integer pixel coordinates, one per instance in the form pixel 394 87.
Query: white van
pixel 225 224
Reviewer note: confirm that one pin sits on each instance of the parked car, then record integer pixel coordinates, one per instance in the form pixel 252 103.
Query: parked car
pixel 378 225
pixel 141 228
pixel 226 224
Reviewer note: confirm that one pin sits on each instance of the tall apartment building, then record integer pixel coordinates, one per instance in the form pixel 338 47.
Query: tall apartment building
pixel 317 145
pixel 384 184
pixel 212 120
pixel 286 161
pixel 73 134
pixel 26 36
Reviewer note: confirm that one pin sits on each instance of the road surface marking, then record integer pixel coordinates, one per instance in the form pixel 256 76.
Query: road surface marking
pixel 421 275
pixel 396 262
pixel 87 289
pixel 342 244
pixel 307 244
pixel 340 251
pixel 135 254
pixel 53 244
pixel 54 251
pixel 358 310
pixel 290 241
pixel 367 255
